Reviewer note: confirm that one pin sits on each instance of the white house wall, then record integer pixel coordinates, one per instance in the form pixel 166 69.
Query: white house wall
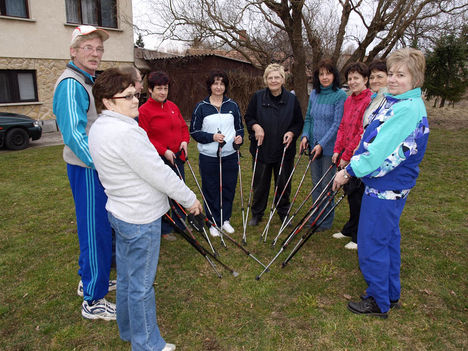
pixel 42 43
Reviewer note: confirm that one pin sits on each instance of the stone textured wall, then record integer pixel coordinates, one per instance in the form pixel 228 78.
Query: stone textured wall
pixel 47 73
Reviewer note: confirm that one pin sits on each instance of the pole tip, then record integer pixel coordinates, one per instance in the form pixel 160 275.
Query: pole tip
pixel 257 277
pixel 283 264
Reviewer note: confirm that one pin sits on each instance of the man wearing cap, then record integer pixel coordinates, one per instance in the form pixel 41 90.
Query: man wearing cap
pixel 74 107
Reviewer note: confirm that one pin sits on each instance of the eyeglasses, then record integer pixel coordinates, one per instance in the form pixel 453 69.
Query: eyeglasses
pixel 128 97
pixel 88 49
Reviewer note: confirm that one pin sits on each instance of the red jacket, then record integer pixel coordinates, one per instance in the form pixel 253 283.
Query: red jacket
pixel 164 125
pixel 350 130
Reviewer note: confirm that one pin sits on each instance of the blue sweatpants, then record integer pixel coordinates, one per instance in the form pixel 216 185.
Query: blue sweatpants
pixel 379 248
pixel 94 231
pixel 209 171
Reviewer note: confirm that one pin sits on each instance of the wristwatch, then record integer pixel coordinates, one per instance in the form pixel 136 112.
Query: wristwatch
pixel 345 174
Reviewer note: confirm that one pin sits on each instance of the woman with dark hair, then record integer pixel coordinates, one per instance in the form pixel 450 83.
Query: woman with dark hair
pixel 322 120
pixel 216 126
pixel 137 184
pixel 387 160
pixel 166 129
pixel 347 139
pixel 378 84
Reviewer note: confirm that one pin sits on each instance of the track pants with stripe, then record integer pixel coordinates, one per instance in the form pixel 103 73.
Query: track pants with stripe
pixel 94 231
pixel 379 248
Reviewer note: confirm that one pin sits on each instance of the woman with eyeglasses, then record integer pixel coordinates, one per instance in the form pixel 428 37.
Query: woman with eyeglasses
pixel 137 183
pixel 166 129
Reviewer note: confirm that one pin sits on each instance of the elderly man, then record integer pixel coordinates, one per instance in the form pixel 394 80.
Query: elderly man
pixel 74 107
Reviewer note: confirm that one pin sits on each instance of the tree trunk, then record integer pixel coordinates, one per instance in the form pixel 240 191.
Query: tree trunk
pixel 442 102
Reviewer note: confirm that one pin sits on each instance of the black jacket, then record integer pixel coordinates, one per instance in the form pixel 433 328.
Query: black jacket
pixel 276 115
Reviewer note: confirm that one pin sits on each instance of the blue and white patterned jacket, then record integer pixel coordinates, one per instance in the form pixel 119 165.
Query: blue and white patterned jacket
pixel 387 159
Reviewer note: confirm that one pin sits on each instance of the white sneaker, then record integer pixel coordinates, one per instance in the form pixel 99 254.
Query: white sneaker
pixel 101 309
pixel 228 227
pixel 214 232
pixel 169 347
pixel 112 287
pixel 338 235
pixel 351 246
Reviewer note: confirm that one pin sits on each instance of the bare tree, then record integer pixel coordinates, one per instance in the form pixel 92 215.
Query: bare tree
pixel 302 31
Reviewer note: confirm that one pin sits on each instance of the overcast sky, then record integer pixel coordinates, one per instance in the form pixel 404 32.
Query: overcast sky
pixel 140 10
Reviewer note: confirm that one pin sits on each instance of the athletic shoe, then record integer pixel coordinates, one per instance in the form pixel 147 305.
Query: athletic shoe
pixel 112 287
pixel 339 235
pixel 351 246
pixel 100 309
pixel 169 347
pixel 254 220
pixel 228 227
pixel 214 232
pixel 367 307
pixel 393 303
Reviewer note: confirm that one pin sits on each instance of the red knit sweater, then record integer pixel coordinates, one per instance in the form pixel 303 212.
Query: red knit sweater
pixel 350 130
pixel 164 125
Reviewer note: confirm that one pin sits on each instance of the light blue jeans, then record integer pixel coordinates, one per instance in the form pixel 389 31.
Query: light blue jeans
pixel 137 251
pixel 317 170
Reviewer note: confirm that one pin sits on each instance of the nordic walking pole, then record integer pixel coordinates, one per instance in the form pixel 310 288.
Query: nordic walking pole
pixel 197 228
pixel 273 210
pixel 220 159
pixel 203 196
pixel 297 191
pixel 244 237
pixel 174 209
pixel 237 148
pixel 193 242
pixel 288 239
pixel 205 218
pixel 312 230
pixel 312 210
pixel 276 190
pixel 302 204
pixel 206 237
pixel 289 220
pixel 201 249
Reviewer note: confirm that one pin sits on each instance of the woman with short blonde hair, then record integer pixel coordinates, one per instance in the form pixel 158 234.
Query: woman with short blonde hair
pixel 273 67
pixel 387 161
pixel 274 120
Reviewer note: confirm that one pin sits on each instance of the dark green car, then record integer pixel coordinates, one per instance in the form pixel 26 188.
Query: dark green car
pixel 16 130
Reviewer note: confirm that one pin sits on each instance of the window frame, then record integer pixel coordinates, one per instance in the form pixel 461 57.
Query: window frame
pixel 3 9
pixel 13 85
pixel 98 14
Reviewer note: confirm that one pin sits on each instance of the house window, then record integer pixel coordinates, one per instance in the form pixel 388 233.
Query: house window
pixel 102 13
pixel 14 8
pixel 18 86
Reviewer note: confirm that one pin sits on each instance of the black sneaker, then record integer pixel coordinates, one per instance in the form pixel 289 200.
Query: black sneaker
pixel 368 307
pixel 254 220
pixel 393 303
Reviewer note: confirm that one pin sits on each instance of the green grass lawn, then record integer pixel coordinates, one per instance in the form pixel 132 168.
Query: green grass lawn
pixel 300 307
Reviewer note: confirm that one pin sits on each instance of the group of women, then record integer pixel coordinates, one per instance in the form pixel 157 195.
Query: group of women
pixel 376 138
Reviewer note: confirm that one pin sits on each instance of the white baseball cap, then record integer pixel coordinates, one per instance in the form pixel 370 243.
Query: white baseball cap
pixel 85 30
